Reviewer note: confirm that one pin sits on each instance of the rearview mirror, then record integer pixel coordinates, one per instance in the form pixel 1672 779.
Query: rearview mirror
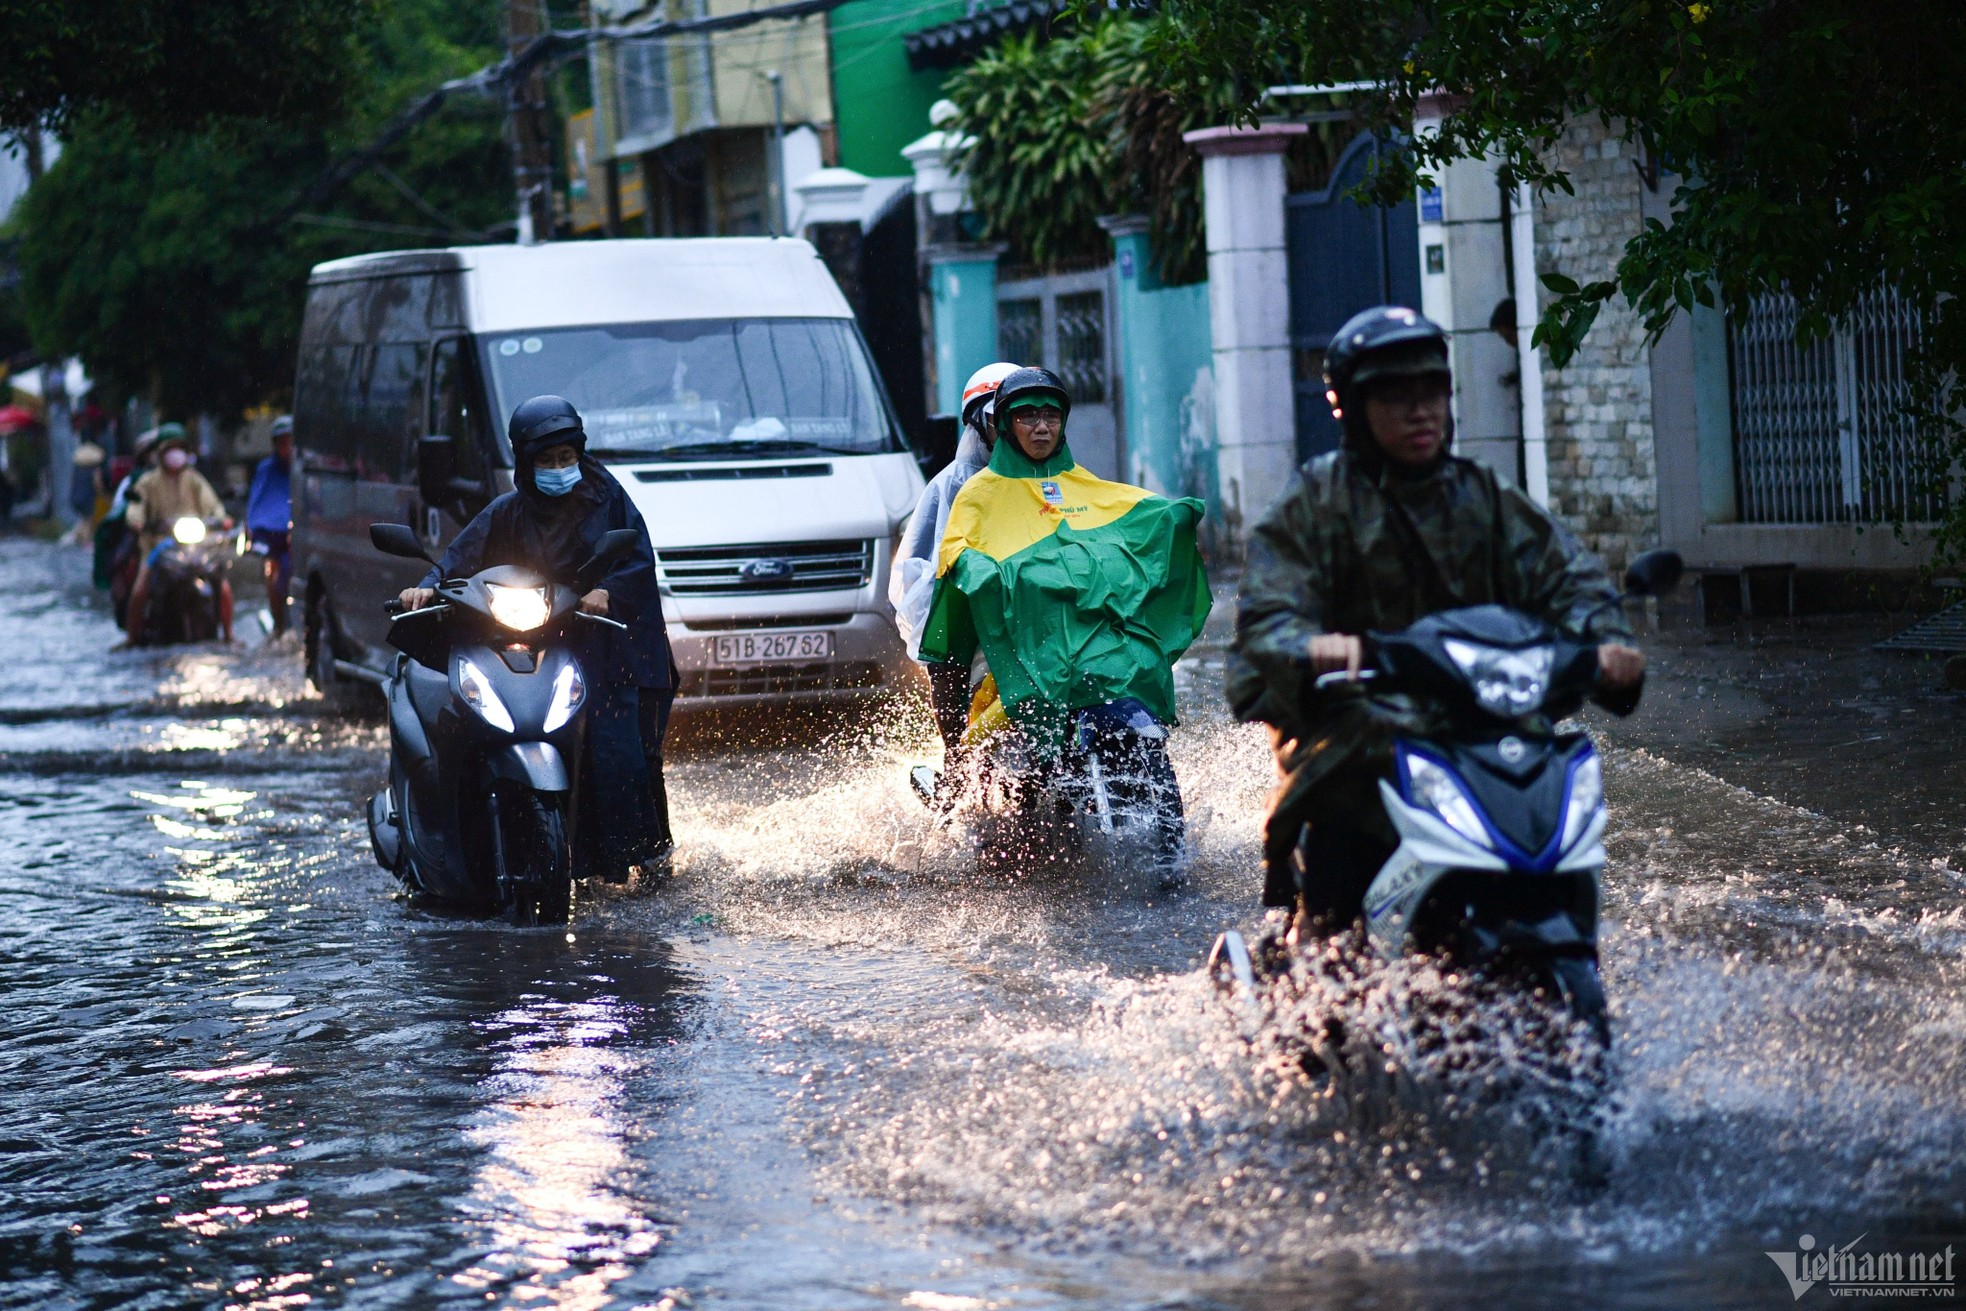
pixel 398 539
pixel 1654 573
pixel 613 547
pixel 436 468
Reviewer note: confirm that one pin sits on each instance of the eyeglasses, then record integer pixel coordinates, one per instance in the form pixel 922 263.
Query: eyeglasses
pixel 1035 415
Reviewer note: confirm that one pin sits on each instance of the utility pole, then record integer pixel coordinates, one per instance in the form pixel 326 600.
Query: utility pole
pixel 532 155
pixel 775 197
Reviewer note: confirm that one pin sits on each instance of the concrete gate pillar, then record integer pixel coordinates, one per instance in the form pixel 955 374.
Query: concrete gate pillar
pixel 1249 314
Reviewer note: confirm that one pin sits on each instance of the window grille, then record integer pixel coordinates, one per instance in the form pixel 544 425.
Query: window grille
pixel 1020 331
pixel 1820 433
pixel 643 82
pixel 1082 346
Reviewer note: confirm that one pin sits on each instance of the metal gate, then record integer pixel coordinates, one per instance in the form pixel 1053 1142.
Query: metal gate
pixel 1820 432
pixel 1063 321
pixel 1344 257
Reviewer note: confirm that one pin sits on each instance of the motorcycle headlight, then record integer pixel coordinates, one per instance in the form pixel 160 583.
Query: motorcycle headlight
pixel 569 690
pixel 520 609
pixel 189 531
pixel 1586 796
pixel 1432 786
pixel 481 697
pixel 1507 683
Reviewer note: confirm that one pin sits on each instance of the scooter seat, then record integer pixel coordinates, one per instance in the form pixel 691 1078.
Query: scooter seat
pixel 430 691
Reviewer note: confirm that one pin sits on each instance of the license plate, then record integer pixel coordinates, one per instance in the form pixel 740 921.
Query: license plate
pixel 739 649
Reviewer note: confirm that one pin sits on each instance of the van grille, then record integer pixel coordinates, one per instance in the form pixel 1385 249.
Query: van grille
pixel 766 567
pixel 777 680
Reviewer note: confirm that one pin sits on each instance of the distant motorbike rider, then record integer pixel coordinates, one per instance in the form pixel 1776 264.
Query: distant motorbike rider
pixel 563 503
pixel 116 552
pixel 269 519
pixel 1374 536
pixel 911 585
pixel 1079 592
pixel 172 491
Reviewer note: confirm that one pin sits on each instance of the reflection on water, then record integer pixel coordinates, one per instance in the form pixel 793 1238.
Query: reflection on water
pixel 553 1133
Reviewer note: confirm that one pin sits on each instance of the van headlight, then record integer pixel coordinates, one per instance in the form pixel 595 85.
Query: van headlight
pixel 1507 683
pixel 520 609
pixel 1433 786
pixel 479 694
pixel 1585 799
pixel 569 690
pixel 189 531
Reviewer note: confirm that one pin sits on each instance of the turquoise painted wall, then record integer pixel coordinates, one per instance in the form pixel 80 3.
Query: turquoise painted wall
pixel 963 291
pixel 1167 372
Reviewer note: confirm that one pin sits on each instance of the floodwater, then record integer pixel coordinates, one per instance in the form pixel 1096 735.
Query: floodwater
pixel 830 1065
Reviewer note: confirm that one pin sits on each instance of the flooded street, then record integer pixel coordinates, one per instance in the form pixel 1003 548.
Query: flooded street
pixel 830 1065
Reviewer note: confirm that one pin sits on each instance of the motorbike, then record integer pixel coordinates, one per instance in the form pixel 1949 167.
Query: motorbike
pixel 1110 783
pixel 1500 815
pixel 187 587
pixel 487 718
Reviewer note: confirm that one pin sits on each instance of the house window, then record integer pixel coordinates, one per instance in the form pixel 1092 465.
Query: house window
pixel 1082 346
pixel 1820 433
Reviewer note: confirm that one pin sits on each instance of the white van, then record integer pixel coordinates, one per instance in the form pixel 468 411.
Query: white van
pixel 723 381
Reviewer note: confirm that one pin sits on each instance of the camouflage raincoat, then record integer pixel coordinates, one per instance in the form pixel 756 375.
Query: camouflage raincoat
pixel 1359 545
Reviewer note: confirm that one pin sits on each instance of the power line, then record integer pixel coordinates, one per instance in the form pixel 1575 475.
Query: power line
pixel 494 78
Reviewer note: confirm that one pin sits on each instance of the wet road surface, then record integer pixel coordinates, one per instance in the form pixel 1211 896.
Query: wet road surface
pixel 830 1066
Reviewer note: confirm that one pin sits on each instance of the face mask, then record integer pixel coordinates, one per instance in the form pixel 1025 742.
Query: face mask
pixel 556 482
pixel 176 458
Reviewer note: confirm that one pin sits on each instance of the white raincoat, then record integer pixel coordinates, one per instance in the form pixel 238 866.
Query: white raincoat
pixel 911 584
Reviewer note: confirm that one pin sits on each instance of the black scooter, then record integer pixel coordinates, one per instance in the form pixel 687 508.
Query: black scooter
pixel 487 715
pixel 1501 815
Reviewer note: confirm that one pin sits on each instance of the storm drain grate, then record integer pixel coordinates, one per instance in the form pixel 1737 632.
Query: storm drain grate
pixel 1944 632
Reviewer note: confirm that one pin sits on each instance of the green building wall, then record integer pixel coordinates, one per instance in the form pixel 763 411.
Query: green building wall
pixel 879 103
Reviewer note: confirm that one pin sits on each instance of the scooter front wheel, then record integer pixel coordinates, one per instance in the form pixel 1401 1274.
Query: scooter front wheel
pixel 537 887
pixel 1582 989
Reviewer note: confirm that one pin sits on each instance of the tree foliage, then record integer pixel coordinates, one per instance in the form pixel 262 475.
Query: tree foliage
pixel 176 64
pixel 173 263
pixel 1067 131
pixel 1816 146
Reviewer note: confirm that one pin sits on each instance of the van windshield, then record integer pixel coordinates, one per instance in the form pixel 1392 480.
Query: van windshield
pixel 703 389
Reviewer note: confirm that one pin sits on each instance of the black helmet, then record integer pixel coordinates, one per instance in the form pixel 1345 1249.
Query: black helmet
pixel 544 421
pixel 1032 383
pixel 1388 341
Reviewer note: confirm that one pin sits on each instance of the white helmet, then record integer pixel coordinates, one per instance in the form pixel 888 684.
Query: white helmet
pixel 982 385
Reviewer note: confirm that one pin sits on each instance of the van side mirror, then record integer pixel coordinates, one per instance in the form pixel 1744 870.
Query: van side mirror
pixel 398 539
pixel 436 469
pixel 1654 573
pixel 937 445
pixel 614 547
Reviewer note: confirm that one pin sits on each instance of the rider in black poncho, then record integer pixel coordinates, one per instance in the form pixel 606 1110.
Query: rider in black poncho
pixel 563 503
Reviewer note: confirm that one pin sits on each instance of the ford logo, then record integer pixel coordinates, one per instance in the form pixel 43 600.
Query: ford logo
pixel 765 571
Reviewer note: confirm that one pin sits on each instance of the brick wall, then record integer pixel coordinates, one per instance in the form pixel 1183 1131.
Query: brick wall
pixel 1598 410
